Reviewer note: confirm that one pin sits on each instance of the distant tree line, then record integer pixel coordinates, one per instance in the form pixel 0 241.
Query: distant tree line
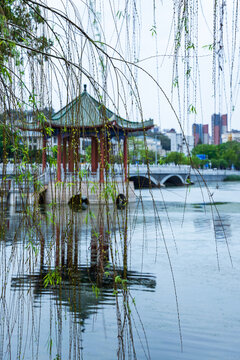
pixel 222 156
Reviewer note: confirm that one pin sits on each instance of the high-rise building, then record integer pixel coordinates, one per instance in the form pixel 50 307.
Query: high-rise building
pixel 219 127
pixel 216 121
pixel 205 134
pixel 224 124
pixel 200 134
pixel 197 133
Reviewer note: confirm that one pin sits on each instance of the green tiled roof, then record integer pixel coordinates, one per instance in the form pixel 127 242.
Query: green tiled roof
pixel 85 111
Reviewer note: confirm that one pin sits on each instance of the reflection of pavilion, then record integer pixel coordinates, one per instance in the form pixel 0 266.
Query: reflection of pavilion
pixel 76 291
pixel 78 281
pixel 81 254
pixel 87 117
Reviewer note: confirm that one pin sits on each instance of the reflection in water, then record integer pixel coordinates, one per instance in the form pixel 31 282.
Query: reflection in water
pixel 65 294
pixel 76 291
pixel 99 248
pixel 222 227
pixel 65 260
pixel 200 224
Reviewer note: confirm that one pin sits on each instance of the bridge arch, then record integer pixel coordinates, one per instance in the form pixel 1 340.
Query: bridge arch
pixel 141 181
pixel 173 180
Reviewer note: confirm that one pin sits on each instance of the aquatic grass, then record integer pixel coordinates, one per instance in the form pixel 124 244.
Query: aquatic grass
pixel 232 178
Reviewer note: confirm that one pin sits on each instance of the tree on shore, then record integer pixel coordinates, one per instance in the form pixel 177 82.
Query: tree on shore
pixel 221 156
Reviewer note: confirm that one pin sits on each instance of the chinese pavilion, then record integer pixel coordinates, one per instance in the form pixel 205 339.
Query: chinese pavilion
pixel 88 118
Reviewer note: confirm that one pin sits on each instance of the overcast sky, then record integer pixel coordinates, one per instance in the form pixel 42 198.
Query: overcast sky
pixel 147 43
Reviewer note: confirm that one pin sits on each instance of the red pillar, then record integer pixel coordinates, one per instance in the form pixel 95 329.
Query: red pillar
pixel 70 155
pixel 65 154
pixel 59 150
pixel 44 155
pixel 69 150
pixel 77 152
pixel 94 154
pixel 107 149
pixel 125 157
pixel 102 159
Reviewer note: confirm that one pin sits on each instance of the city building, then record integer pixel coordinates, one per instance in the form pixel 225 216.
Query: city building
pixel 180 143
pixel 233 135
pixel 200 134
pixel 152 143
pixel 32 139
pixel 205 134
pixel 197 133
pixel 219 127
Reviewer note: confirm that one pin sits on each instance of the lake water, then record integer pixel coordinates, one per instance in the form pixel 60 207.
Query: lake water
pixel 181 298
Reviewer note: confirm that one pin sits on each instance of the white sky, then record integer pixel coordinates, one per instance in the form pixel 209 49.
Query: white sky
pixel 161 112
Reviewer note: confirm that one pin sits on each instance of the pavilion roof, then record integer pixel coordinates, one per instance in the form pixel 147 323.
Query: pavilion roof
pixel 87 112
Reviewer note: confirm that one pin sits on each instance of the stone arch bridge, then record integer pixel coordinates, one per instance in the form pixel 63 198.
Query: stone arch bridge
pixel 157 176
pixel 141 175
pixel 175 175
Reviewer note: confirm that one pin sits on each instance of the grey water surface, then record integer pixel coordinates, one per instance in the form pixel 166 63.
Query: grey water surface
pixel 183 281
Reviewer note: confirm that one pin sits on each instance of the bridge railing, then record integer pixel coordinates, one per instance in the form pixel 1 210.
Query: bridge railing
pixel 89 176
pixel 11 169
pixel 143 169
pixel 27 176
pixel 215 172
pixel 27 182
pixel 18 186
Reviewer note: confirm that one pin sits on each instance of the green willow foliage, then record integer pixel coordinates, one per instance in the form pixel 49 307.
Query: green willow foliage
pixel 82 53
pixel 18 25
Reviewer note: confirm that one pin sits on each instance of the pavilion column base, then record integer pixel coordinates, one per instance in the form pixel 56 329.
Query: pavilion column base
pixel 95 193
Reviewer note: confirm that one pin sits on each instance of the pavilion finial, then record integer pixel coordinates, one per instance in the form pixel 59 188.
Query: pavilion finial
pixel 85 87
